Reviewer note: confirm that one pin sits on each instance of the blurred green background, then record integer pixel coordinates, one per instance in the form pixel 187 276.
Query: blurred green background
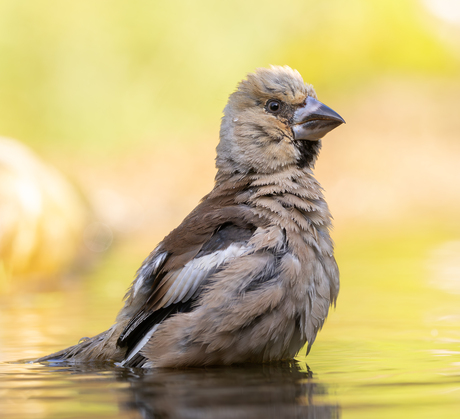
pixel 106 76
pixel 124 99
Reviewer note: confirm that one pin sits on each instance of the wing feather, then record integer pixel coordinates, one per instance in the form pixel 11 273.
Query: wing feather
pixel 175 290
pixel 191 282
pixel 192 275
pixel 176 283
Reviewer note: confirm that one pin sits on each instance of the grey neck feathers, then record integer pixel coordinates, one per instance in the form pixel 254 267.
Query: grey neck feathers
pixel 290 198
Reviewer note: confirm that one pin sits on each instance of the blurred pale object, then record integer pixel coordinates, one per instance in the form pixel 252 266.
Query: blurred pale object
pixel 448 10
pixel 41 216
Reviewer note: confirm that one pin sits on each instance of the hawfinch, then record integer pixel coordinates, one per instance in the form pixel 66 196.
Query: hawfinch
pixel 250 274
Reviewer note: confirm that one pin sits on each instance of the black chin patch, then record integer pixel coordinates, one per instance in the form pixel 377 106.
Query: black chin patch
pixel 308 152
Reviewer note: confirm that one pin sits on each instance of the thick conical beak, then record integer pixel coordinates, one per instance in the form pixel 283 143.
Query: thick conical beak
pixel 314 120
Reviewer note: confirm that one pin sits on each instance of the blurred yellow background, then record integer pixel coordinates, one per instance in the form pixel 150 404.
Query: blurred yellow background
pixel 109 119
pixel 125 99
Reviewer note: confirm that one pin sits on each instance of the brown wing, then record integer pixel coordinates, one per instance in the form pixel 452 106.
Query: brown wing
pixel 172 278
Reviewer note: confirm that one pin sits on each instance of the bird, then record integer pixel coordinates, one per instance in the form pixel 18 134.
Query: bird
pixel 249 275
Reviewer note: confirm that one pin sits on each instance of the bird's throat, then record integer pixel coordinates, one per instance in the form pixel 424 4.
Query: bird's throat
pixel 309 151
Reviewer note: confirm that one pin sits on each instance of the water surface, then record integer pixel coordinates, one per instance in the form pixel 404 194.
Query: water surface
pixel 390 349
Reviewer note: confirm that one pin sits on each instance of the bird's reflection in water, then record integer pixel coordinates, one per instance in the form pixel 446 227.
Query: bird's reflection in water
pixel 284 390
pixel 280 390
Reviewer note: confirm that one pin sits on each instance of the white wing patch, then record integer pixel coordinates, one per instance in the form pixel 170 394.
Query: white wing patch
pixel 155 264
pixel 138 347
pixel 186 281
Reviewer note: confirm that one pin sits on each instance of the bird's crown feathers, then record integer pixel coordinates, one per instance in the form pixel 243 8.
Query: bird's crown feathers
pixel 281 82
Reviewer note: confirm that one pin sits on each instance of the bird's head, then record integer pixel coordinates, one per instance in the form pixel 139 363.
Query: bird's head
pixel 272 120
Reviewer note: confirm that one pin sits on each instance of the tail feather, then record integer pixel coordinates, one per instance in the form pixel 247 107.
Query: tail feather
pixel 101 347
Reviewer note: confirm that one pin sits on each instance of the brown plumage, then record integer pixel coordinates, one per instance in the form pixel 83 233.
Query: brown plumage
pixel 249 275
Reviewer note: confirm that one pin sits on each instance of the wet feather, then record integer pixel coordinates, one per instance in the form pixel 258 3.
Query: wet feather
pixel 249 275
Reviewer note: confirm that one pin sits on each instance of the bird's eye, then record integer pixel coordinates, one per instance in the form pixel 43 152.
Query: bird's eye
pixel 273 106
